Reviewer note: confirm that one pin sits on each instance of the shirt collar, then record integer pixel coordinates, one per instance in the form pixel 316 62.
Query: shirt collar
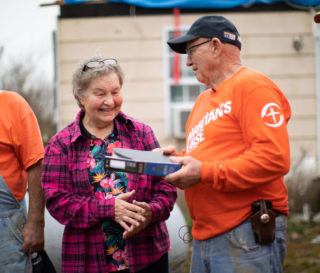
pixel 120 120
pixel 87 134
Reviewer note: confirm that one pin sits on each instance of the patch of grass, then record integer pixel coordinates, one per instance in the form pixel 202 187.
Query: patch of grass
pixel 302 256
pixel 301 230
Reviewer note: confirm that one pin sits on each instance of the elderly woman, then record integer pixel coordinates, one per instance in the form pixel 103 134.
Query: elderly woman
pixel 114 221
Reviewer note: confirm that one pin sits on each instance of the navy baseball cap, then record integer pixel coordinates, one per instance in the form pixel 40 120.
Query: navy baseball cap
pixel 208 27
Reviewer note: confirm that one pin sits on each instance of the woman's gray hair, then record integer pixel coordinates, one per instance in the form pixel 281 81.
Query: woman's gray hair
pixel 82 78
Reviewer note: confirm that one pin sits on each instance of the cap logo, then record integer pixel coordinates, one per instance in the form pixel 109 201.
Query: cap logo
pixel 229 36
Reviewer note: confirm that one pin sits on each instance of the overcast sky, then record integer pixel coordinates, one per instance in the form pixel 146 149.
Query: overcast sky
pixel 26 28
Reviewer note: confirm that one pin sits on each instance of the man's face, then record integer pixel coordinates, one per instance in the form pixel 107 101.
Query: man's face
pixel 200 58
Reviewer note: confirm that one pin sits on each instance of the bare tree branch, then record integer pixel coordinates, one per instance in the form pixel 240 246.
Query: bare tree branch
pixel 20 76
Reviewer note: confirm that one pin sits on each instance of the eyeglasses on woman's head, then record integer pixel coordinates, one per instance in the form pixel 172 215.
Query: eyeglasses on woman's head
pixel 99 63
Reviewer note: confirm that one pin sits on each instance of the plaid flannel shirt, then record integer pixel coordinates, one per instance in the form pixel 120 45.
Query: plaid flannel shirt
pixel 70 199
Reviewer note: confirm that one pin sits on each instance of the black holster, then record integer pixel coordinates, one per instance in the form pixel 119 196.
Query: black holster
pixel 263 221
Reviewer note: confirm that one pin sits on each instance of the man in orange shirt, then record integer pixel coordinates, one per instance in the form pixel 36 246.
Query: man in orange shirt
pixel 237 152
pixel 21 153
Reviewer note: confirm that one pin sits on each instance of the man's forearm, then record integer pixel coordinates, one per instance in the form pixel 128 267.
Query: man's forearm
pixel 36 196
pixel 33 231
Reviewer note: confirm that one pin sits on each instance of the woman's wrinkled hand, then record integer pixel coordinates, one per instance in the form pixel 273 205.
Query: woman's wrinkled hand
pixel 129 216
pixel 143 224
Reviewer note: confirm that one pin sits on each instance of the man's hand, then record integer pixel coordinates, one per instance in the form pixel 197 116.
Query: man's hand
pixel 33 237
pixel 169 150
pixel 189 174
pixel 143 224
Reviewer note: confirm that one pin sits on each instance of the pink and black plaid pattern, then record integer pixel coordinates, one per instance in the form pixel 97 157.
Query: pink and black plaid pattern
pixel 70 199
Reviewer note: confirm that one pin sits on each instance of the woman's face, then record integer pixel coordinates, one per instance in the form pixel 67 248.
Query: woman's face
pixel 102 100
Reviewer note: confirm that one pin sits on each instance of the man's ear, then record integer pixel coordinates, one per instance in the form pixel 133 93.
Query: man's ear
pixel 216 45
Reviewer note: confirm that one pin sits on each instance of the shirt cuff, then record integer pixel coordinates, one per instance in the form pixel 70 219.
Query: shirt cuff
pixel 156 212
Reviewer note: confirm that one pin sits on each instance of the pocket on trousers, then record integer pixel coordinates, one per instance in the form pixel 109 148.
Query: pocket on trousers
pixel 12 258
pixel 243 237
pixel 11 228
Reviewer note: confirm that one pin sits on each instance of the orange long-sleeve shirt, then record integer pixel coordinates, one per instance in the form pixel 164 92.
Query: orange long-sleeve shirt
pixel 239 133
pixel 20 141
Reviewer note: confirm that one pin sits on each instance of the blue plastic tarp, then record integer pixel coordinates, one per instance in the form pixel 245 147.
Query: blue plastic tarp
pixel 202 4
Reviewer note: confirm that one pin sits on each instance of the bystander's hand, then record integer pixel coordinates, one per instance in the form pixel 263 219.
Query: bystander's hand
pixel 33 236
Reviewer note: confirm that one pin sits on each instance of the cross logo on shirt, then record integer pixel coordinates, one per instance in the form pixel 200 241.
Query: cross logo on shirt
pixel 271 115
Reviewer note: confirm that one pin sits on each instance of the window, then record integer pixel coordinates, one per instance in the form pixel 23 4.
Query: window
pixel 179 98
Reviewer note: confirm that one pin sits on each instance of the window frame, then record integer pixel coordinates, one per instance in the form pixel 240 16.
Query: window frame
pixel 186 80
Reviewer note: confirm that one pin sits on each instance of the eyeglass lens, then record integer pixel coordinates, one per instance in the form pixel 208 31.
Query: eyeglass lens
pixel 191 48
